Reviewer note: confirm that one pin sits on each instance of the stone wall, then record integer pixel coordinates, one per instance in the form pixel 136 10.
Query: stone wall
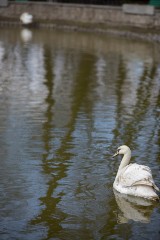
pixel 47 13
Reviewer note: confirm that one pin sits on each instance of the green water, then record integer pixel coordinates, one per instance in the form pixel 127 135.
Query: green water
pixel 68 100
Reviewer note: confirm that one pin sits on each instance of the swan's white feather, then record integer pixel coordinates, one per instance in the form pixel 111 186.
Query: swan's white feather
pixel 135 174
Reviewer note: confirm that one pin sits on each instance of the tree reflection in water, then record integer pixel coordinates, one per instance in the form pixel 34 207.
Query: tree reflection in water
pixel 74 98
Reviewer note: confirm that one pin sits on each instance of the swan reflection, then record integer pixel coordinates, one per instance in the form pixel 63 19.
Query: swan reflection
pixel 133 208
pixel 26 35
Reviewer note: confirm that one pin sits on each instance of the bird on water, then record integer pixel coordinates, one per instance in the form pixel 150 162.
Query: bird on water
pixel 134 179
pixel 26 18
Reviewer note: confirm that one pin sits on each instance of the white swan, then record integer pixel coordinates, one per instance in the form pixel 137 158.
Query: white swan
pixel 26 18
pixel 134 179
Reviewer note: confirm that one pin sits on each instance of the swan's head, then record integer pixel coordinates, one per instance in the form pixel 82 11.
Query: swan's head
pixel 122 150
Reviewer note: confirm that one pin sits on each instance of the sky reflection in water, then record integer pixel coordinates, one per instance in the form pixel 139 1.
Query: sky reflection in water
pixel 68 100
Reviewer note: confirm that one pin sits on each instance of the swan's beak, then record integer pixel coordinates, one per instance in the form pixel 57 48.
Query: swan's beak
pixel 115 154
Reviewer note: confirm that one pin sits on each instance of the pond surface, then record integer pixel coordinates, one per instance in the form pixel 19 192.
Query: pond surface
pixel 68 100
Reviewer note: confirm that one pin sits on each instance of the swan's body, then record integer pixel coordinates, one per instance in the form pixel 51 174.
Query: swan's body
pixel 134 179
pixel 26 18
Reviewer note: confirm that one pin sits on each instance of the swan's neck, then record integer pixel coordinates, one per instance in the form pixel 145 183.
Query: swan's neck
pixel 125 161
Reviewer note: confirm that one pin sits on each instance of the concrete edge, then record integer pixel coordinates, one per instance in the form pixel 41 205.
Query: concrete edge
pixel 138 9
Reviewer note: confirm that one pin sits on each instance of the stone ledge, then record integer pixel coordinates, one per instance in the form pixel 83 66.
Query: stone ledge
pixel 138 9
pixel 80 14
pixel 3 3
